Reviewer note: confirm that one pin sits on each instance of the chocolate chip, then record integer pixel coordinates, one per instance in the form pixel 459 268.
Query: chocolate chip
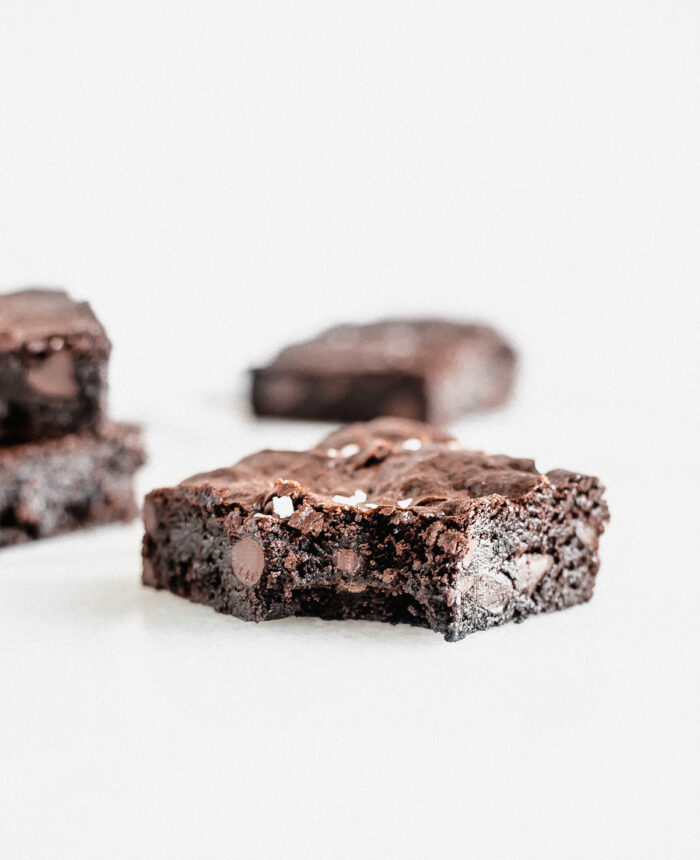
pixel 248 561
pixel 585 533
pixel 348 561
pixel 530 568
pixel 491 591
pixel 54 376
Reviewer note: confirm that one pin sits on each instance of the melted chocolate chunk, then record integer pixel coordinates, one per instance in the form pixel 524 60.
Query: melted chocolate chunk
pixel 248 561
pixel 391 520
pixel 54 376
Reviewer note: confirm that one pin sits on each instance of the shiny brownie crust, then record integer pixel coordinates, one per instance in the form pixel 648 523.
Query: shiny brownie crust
pixel 390 521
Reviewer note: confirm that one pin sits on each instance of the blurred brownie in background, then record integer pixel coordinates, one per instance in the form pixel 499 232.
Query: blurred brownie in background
pixel 428 370
pixel 59 485
pixel 53 366
pixel 63 466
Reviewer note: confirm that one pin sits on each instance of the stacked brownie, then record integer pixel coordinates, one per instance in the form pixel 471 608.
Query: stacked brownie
pixel 63 464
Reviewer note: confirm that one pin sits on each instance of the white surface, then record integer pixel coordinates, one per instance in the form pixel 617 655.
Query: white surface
pixel 219 177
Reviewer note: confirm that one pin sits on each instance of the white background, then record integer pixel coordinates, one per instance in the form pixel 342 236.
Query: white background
pixel 220 177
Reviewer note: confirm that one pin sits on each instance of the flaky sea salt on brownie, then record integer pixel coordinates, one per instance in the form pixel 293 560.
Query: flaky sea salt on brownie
pixel 428 370
pixel 59 485
pixel 53 365
pixel 390 521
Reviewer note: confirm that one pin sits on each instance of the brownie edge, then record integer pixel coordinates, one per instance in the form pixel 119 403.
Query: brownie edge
pixel 389 521
pixel 61 485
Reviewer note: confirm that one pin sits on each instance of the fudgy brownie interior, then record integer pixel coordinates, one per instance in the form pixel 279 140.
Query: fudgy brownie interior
pixel 59 485
pixel 53 366
pixel 391 520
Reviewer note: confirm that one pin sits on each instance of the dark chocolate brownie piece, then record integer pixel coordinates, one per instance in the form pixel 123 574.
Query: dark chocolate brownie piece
pixel 427 370
pixel 56 486
pixel 391 520
pixel 53 366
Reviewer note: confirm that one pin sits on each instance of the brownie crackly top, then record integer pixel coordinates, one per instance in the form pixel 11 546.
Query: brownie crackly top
pixel 410 346
pixel 390 520
pixel 386 463
pixel 34 315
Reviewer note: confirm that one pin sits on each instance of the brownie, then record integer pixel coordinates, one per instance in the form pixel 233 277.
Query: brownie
pixel 390 521
pixel 53 366
pixel 58 485
pixel 426 370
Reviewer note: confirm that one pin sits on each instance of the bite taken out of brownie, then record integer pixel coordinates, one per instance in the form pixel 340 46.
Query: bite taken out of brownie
pixel 424 369
pixel 53 366
pixel 392 520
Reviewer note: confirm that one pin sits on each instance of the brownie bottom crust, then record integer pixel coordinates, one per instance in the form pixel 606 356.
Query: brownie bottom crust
pixel 517 543
pixel 60 485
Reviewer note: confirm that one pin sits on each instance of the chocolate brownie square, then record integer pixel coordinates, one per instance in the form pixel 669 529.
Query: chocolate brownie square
pixel 53 366
pixel 390 521
pixel 427 370
pixel 59 485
